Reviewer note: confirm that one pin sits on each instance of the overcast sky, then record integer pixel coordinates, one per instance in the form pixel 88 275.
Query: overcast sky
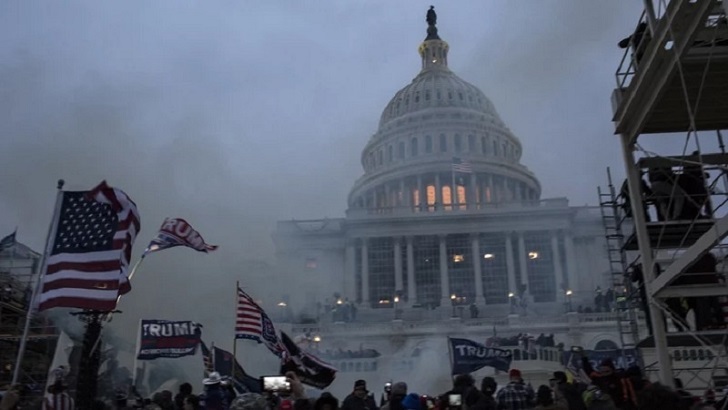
pixel 236 114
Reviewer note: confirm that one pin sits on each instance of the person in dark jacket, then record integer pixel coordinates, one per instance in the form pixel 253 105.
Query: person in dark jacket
pixel 359 399
pixel 606 379
pixel 185 389
pixel 568 391
pixel 488 387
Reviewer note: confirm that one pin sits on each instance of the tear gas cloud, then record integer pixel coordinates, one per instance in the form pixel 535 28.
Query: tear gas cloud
pixel 234 116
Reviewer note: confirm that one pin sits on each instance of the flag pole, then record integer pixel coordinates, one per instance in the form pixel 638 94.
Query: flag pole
pixel 235 336
pixel 136 354
pixel 453 188
pixel 38 282
pixel 449 353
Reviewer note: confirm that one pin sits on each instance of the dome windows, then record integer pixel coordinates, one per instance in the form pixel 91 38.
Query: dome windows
pixel 443 143
pixel 484 145
pixel 400 150
pixel 428 144
pixel 471 143
pixel 458 143
pixel 390 153
pixel 427 95
pixel 414 148
pixel 417 97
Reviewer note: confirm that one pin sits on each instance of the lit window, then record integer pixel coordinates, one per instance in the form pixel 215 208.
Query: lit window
pixel 488 256
pixel 311 263
pixel 461 194
pixel 457 258
pixel 533 255
pixel 431 195
pixel 446 196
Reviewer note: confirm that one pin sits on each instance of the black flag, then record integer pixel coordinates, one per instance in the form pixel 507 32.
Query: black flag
pixel 310 369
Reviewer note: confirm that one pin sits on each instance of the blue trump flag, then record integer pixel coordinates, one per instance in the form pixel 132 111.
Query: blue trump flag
pixel 469 356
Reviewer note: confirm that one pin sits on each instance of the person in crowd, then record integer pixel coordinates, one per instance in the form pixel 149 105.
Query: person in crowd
pixel 57 397
pixel 657 396
pixel 386 394
pixel 667 195
pixel 411 402
pixel 326 402
pixel 568 391
pixel 249 401
pixel 545 400
pixel 398 393
pixel 516 395
pixel 626 204
pixel 11 398
pixel 597 399
pixel 191 402
pixel 215 397
pixel 488 387
pixel 185 389
pixel 359 399
pixel 606 379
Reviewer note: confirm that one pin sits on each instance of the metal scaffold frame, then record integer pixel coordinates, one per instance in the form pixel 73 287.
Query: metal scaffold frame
pixel 613 220
pixel 674 82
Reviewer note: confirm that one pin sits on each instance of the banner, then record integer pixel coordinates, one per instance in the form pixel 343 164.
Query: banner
pixel 227 365
pixel 620 360
pixel 469 356
pixel 310 369
pixel 168 339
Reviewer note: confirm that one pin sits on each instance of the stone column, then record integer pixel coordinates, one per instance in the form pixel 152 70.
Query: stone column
pixel 350 270
pixel 511 264
pixel 477 257
pixel 522 253
pixel 491 188
pixel 376 202
pixel 421 195
pixel 558 271
pixel 472 199
pixel 365 274
pixel 438 194
pixel 444 276
pixel 402 198
pixel 411 285
pixel 570 260
pixel 398 282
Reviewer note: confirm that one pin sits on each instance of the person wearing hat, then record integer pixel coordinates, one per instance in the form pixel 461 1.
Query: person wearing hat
pixel 215 396
pixel 359 399
pixel 515 395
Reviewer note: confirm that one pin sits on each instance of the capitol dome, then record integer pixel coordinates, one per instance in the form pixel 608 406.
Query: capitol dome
pixel 440 146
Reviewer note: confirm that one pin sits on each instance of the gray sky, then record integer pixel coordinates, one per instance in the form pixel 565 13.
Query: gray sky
pixel 236 114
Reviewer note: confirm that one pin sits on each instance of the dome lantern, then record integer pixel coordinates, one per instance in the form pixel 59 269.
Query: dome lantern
pixel 433 50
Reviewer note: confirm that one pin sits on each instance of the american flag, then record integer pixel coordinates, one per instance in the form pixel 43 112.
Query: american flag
pixel 8 241
pixel 58 401
pixel 89 251
pixel 253 323
pixel 462 166
pixel 207 359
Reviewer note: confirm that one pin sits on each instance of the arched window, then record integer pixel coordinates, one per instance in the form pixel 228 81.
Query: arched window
pixel 458 143
pixel 495 148
pixel 417 96
pixel 380 157
pixel 471 143
pixel 400 150
pixel 443 143
pixel 446 197
pixel 427 95
pixel 461 196
pixel 606 345
pixel 431 197
pixel 414 148
pixel 428 144
pixel 484 145
pixel 439 95
pixel 390 153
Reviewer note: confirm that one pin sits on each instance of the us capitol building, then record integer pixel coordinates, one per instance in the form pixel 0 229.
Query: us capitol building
pixel 446 233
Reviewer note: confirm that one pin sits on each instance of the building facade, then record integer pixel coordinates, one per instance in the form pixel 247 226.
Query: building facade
pixel 446 233
pixel 445 211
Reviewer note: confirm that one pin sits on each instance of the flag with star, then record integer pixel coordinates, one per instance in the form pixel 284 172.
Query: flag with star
pixel 89 250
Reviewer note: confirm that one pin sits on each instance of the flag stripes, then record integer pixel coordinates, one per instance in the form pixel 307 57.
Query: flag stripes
pixel 462 166
pixel 89 250
pixel 253 323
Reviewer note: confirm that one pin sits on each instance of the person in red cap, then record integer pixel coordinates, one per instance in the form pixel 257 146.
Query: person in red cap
pixel 515 395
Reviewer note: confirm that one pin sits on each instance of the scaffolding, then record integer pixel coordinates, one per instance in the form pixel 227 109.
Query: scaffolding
pixel 625 300
pixel 673 80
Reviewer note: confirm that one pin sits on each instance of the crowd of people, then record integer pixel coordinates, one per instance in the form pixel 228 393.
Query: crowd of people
pixel 603 387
